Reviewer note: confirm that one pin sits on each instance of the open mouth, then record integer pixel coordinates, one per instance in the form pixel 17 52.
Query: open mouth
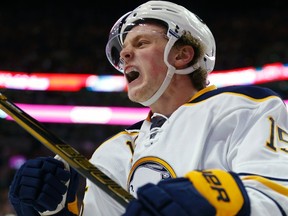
pixel 131 76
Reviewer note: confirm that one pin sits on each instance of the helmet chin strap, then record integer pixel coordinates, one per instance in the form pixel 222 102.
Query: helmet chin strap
pixel 170 72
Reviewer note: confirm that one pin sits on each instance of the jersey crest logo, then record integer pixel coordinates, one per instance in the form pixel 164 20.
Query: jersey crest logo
pixel 148 169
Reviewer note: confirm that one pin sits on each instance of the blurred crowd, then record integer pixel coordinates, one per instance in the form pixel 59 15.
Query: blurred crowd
pixel 73 41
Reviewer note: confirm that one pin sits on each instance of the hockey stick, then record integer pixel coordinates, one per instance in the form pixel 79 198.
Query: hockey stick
pixel 76 160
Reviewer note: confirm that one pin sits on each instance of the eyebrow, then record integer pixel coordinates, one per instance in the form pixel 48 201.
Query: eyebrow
pixel 145 33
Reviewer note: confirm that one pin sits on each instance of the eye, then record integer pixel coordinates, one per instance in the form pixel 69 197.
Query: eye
pixel 141 43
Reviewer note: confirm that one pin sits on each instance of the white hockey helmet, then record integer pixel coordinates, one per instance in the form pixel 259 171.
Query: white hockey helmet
pixel 177 19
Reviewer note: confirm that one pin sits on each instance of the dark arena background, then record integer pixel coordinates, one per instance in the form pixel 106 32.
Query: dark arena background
pixel 61 41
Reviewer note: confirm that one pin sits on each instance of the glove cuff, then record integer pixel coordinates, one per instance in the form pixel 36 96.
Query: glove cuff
pixel 224 190
pixel 73 206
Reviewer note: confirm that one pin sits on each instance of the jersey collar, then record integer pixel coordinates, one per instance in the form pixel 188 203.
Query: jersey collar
pixel 203 91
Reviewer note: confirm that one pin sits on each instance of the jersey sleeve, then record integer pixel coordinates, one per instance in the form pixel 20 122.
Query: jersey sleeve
pixel 259 154
pixel 98 202
pixel 113 158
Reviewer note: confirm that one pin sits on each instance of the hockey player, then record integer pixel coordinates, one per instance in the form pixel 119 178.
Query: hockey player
pixel 200 151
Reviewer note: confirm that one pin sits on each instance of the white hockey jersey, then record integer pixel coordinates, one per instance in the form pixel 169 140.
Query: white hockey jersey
pixel 239 129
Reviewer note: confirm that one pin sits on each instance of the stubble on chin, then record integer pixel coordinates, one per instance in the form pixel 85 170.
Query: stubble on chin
pixel 139 94
pixel 134 96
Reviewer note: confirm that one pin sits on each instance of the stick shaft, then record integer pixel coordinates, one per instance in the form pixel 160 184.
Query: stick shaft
pixel 76 160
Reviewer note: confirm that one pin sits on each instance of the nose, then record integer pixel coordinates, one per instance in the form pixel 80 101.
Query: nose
pixel 126 54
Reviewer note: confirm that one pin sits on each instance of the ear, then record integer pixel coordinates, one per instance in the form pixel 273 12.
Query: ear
pixel 183 56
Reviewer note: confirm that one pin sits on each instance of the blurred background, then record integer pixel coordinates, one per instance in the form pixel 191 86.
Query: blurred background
pixel 66 38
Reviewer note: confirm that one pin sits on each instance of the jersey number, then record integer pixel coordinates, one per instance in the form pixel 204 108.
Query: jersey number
pixel 282 136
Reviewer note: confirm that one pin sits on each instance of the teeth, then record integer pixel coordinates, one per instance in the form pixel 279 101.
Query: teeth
pixel 130 70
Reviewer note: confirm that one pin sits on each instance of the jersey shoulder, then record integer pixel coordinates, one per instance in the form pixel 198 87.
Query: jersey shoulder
pixel 255 92
pixel 122 134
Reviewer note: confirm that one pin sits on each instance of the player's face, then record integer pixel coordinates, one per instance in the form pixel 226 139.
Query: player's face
pixel 143 56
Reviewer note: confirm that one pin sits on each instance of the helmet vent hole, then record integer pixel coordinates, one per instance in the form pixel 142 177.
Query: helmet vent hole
pixel 177 29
